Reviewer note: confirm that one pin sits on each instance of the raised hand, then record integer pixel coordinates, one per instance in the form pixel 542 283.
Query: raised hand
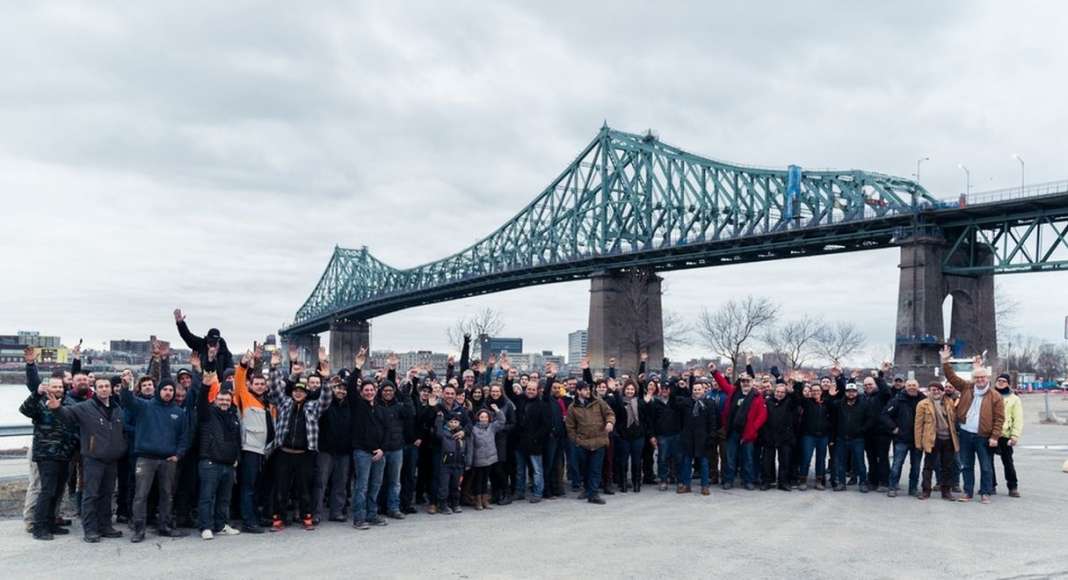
pixel 53 401
pixel 178 316
pixel 492 360
pixel 246 358
pixel 29 354
pixel 833 391
pixel 977 360
pixel 836 369
pixel 276 358
pixel 886 366
pixel 946 353
pixel 257 351
pixel 164 350
pixel 361 357
pixel 392 361
pixel 644 356
pixel 712 367
pixel 76 352
pixel 294 352
pixel 322 354
pixel 505 363
pixel 611 361
pixel 585 363
pixel 298 367
pixel 550 368
pixel 452 360
pixel 854 375
pixel 194 360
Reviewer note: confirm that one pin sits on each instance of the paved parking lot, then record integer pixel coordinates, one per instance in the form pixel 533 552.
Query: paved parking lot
pixel 650 535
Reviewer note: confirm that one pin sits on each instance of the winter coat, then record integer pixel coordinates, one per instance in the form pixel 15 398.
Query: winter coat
pixel 815 417
pixel 335 427
pixel 161 429
pixel 666 420
pixel 370 425
pixel 853 419
pixel 257 415
pixel 700 422
pixel 508 409
pixel 219 432
pixel 991 410
pixel 223 359
pixel 533 425
pixel 396 413
pixel 99 428
pixel 779 428
pixel 586 423
pixel 622 412
pixel 484 441
pixel 758 412
pixel 53 438
pixel 925 428
pixel 900 414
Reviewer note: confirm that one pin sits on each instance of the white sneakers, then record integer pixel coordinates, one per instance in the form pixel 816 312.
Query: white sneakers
pixel 228 531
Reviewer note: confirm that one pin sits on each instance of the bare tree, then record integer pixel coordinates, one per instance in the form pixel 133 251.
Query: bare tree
pixel 1051 360
pixel 676 331
pixel 486 321
pixel 727 330
pixel 841 340
pixel 637 330
pixel 1018 353
pixel 796 340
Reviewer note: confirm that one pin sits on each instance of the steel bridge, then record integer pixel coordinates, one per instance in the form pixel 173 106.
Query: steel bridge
pixel 631 201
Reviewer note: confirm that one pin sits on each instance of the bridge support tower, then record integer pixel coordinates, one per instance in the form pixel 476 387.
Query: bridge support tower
pixel 625 319
pixel 922 290
pixel 308 345
pixel 346 339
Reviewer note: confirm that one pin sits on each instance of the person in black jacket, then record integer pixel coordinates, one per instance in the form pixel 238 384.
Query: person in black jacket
pixel 666 428
pixel 533 426
pixel 899 417
pixel 853 421
pixel 778 439
pixel 397 413
pixel 99 421
pixel 369 431
pixel 335 455
pixel 632 413
pixel 214 354
pixel 700 421
pixel 219 430
pixel 54 442
pixel 877 393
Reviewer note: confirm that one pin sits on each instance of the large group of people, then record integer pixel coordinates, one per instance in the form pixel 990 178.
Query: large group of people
pixel 262 439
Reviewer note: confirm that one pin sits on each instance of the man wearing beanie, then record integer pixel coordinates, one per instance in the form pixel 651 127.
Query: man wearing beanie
pixel 981 415
pixel 1010 431
pixel 161 438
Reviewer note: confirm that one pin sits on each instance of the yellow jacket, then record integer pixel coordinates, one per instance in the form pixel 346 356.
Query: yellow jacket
pixel 1013 425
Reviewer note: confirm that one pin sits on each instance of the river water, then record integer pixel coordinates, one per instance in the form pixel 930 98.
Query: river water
pixel 11 397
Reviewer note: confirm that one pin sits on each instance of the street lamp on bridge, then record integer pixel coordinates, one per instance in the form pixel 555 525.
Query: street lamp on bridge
pixel 967 179
pixel 1017 157
pixel 918 162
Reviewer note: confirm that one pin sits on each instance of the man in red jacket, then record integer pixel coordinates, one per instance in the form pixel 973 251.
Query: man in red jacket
pixel 743 416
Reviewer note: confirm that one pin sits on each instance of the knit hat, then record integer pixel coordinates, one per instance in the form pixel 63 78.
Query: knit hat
pixel 165 383
pixel 229 372
pixel 116 380
pixel 1006 377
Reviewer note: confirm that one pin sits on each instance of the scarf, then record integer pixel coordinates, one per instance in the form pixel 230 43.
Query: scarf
pixel 698 406
pixel 1005 391
pixel 632 411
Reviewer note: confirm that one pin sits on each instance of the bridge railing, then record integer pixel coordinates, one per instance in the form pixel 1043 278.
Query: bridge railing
pixel 1011 193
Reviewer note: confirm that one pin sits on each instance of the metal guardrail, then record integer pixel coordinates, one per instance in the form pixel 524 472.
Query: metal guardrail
pixel 16 430
pixel 1010 193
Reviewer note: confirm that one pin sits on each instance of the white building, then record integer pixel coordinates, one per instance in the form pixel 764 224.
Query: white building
pixel 577 346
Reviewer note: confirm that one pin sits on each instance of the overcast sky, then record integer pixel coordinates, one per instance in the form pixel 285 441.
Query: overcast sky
pixel 211 155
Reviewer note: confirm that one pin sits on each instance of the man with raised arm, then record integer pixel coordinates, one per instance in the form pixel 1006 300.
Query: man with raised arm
pixel 214 354
pixel 980 415
pixel 257 435
pixel 54 441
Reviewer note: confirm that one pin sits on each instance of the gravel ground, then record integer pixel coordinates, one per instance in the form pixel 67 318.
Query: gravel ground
pixel 649 535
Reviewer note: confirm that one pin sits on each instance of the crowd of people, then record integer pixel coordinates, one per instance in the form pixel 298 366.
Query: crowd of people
pixel 275 444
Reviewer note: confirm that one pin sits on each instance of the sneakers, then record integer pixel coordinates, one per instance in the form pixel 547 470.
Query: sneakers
pixel 431 509
pixel 803 487
pixel 984 499
pixel 863 488
pixel 377 521
pixel 596 499
pixel 749 487
pixel 91 538
pixel 444 510
pixel 534 499
pixel 662 486
pixel 46 536
pixel 456 509
pixel 309 523
pixel 1014 493
pixel 277 525
pixel 705 490
pixel 395 515
pixel 251 529
pixel 819 487
pixel 891 493
pixel 228 531
pixel 206 535
pixel 839 487
pixel 361 525
pixel 111 533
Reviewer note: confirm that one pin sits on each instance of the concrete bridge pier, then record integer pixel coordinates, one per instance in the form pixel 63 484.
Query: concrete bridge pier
pixel 625 319
pixel 346 339
pixel 922 290
pixel 307 344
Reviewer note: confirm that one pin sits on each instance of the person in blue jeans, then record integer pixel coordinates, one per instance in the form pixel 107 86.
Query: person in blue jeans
pixel 854 419
pixel 981 416
pixel 666 427
pixel 900 418
pixel 746 413
pixel 589 423
pixel 815 432
pixel 629 439
pixel 369 425
pixel 400 415
pixel 533 427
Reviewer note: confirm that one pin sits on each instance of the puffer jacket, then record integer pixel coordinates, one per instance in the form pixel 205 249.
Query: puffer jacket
pixel 900 414
pixel 484 441
pixel 99 428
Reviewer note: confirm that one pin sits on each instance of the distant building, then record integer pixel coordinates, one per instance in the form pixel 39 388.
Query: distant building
pixel 577 346
pixel 48 348
pixel 378 359
pixel 139 352
pixel 495 345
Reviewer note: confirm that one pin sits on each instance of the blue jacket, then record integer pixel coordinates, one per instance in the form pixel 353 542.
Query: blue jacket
pixel 161 429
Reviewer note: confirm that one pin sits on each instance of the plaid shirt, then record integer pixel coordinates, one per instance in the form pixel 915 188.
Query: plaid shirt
pixel 312 409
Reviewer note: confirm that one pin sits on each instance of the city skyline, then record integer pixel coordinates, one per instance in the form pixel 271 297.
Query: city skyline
pixel 223 187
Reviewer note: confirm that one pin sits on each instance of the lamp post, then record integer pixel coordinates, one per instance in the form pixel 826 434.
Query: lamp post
pixel 1017 157
pixel 967 179
pixel 918 162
